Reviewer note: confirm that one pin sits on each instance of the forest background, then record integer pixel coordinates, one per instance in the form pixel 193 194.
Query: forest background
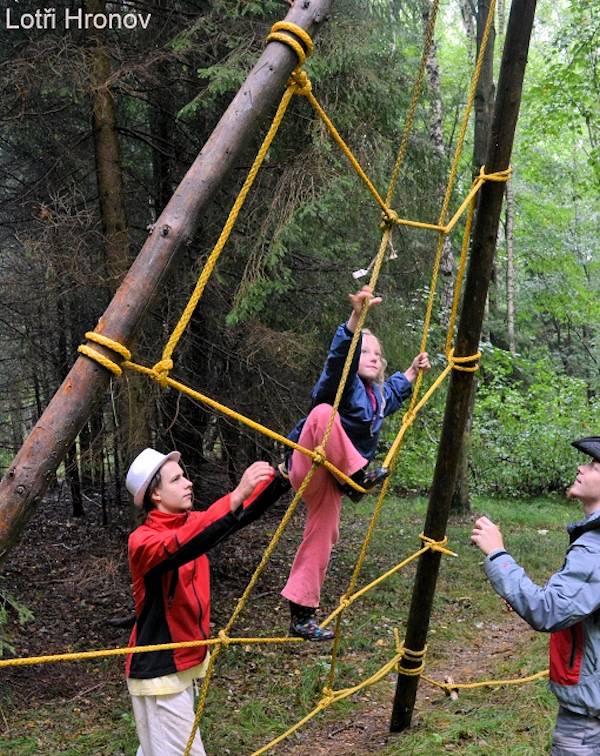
pixel 145 100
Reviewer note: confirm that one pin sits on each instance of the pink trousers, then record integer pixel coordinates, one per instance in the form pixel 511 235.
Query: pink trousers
pixel 323 498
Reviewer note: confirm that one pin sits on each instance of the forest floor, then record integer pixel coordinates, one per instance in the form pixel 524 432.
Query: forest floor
pixel 72 574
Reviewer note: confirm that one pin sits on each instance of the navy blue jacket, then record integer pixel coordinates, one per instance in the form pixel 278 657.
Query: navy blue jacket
pixel 360 421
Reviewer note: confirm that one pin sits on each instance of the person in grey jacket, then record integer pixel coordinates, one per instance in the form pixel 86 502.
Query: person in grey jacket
pixel 567 607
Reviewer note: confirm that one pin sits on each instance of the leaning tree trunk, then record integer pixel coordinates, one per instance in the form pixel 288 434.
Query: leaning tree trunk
pixel 30 473
pixel 436 135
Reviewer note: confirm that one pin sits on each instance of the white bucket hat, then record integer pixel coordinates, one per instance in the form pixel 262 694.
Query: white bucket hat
pixel 143 469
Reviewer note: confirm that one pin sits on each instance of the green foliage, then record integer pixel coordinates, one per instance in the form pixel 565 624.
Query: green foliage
pixel 321 222
pixel 557 186
pixel 526 415
pixel 226 32
pixel 527 412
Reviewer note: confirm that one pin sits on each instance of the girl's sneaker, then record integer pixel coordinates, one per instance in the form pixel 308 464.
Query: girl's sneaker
pixel 365 479
pixel 307 627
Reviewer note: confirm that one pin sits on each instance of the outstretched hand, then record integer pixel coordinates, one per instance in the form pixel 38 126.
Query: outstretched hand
pixel 366 293
pixel 253 475
pixel 487 536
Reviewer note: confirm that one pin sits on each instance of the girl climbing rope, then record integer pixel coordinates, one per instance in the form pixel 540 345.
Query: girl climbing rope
pixel 367 399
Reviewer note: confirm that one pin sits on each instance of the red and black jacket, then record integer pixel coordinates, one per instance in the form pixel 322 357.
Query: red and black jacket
pixel 171 578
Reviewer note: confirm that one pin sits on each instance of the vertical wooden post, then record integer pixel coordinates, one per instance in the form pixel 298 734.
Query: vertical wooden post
pixel 483 246
pixel 32 470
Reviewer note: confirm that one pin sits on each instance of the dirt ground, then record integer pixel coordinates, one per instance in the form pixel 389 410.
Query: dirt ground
pixel 72 573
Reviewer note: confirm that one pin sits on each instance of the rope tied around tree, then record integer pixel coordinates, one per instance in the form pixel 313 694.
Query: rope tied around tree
pixel 293 35
pixel 102 359
pixel 462 363
pixel 434 545
pixel 416 657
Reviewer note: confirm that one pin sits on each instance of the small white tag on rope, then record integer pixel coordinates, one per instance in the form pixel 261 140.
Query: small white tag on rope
pixel 364 271
pixel 393 255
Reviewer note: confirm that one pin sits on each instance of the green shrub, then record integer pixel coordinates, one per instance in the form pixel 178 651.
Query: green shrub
pixel 526 415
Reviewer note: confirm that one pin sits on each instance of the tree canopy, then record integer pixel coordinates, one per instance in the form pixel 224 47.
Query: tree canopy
pixel 259 336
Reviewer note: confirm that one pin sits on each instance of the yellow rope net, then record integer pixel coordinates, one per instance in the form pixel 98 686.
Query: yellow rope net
pixel 299 84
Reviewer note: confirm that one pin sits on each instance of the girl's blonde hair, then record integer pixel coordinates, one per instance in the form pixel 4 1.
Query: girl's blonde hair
pixel 381 376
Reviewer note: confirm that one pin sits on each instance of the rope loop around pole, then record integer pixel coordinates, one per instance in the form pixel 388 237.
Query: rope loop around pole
pixel 102 359
pixel 294 36
pixel 437 545
pixel 461 363
pixel 499 176
pixel 417 657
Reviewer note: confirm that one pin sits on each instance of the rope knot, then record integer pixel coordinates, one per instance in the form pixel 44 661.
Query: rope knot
pixel 224 638
pixel 319 456
pixel 345 602
pixel 389 218
pixel 328 697
pixel 161 371
pixel 437 545
pixel 300 81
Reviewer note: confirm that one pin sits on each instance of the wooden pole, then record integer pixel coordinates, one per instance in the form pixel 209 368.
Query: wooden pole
pixel 30 473
pixel 483 246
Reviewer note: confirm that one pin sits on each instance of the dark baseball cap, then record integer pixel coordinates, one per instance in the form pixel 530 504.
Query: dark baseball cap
pixel 589 445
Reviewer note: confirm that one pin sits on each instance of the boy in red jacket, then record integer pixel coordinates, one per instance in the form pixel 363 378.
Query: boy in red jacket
pixel 171 586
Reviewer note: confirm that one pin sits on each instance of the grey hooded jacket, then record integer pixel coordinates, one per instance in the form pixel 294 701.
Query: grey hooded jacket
pixel 568 607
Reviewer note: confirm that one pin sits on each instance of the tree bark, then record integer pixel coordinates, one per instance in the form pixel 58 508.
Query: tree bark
pixel 30 473
pixel 107 153
pixel 483 245
pixel 133 430
pixel 436 134
pixel 484 103
pixel 510 267
pixel 484 93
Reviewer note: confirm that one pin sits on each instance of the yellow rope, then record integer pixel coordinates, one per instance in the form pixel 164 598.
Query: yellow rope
pixel 330 697
pixel 413 105
pixel 290 31
pixel 106 362
pixel 347 601
pixel 449 687
pixel 299 84
pixel 25 661
pixel 448 194
pixel 418 657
